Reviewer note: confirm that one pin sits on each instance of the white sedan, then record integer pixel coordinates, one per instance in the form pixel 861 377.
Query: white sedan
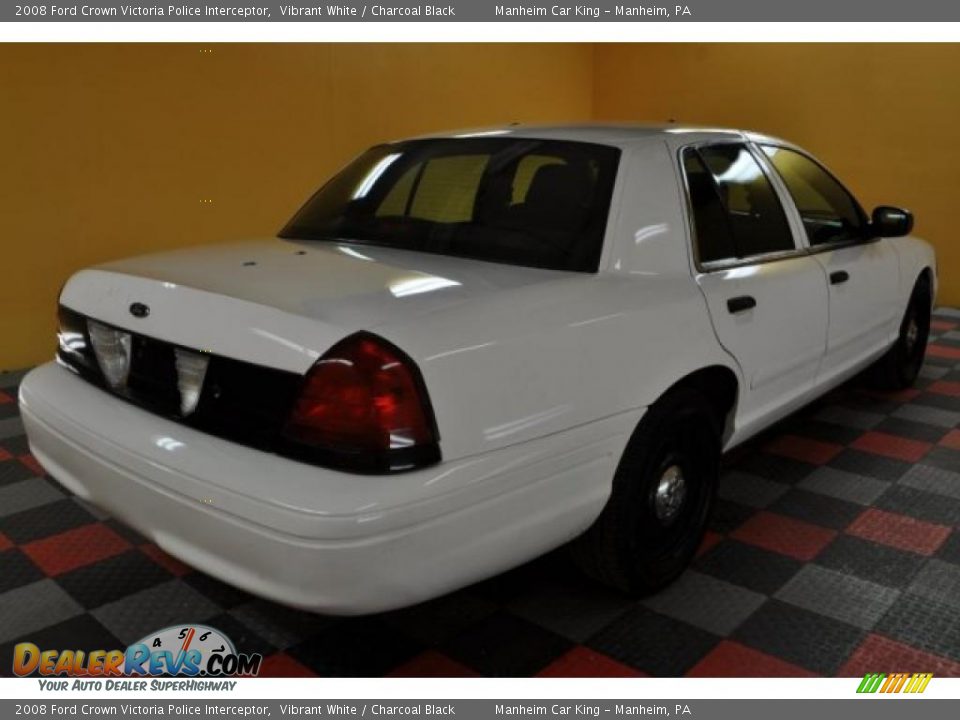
pixel 466 350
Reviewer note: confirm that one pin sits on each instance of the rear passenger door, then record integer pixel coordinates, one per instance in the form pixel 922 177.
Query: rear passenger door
pixel 767 298
pixel 863 272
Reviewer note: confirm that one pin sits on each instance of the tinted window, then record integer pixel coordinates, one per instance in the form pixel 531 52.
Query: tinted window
pixel 829 212
pixel 711 229
pixel 519 201
pixel 753 210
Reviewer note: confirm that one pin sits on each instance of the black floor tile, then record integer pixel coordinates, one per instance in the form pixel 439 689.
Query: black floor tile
pixel 728 516
pixel 817 509
pixel 44 521
pixel 925 624
pixel 226 596
pixel 921 505
pixel 111 579
pixel 83 632
pixel 870 561
pixel 804 638
pixel 752 567
pixel 17 569
pixel 775 467
pixel 654 643
pixel 355 647
pixel 912 430
pixel 864 463
pixel 504 645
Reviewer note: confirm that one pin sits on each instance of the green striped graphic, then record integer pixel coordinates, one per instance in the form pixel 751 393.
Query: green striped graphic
pixel 871 682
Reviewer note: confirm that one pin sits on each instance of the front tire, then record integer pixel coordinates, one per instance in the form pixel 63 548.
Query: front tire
pixel 663 492
pixel 899 367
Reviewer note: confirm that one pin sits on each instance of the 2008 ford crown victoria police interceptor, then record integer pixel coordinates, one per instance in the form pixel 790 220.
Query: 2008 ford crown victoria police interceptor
pixel 466 350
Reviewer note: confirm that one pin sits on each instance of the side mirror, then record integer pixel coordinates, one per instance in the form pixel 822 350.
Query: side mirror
pixel 888 221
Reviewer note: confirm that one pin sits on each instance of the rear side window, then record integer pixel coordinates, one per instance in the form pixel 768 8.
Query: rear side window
pixel 829 212
pixel 736 212
pixel 714 241
pixel 519 201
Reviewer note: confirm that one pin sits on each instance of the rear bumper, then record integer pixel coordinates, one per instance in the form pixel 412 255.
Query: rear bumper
pixel 309 537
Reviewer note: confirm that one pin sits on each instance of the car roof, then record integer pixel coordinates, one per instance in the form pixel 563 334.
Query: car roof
pixel 604 133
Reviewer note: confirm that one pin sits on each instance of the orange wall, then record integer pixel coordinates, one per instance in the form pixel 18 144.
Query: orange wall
pixel 883 117
pixel 109 150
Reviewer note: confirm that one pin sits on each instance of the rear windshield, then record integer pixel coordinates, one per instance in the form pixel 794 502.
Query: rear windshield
pixel 538 203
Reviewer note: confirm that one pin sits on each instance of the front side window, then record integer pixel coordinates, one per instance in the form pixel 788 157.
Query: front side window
pixel 539 203
pixel 829 212
pixel 736 211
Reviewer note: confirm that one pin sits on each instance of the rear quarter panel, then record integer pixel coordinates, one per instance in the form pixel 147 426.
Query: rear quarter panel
pixel 540 359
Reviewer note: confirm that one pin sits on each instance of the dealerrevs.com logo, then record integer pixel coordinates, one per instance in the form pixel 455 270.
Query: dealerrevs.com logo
pixel 181 650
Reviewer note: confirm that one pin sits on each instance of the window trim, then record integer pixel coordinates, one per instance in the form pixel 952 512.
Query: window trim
pixel 821 247
pixel 759 259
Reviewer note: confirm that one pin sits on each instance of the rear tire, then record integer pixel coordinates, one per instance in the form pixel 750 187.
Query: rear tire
pixel 663 492
pixel 899 367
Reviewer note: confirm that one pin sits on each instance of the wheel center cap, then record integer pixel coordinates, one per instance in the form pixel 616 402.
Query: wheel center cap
pixel 913 332
pixel 671 492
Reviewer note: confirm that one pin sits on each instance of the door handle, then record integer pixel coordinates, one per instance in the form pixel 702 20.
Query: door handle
pixel 839 277
pixel 741 303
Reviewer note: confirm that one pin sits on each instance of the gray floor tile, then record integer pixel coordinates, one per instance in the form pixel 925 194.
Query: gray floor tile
pixel 841 597
pixel 132 617
pixel 933 372
pixel 844 485
pixel 932 479
pixel 705 602
pixel 10 427
pixel 927 414
pixel 33 607
pixel 11 378
pixel 26 494
pixel 940 581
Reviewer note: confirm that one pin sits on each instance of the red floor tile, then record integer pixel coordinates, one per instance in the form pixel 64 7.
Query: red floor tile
pixel 5 398
pixel 75 548
pixel 168 562
pixel 804 449
pixel 4 455
pixel 282 665
pixel 784 535
pixel 431 664
pixel 942 325
pixel 943 351
pixel 5 543
pixel 945 387
pixel 951 440
pixel 710 540
pixel 31 462
pixel 880 654
pixel 899 531
pixel 731 659
pixel 583 662
pixel 891 446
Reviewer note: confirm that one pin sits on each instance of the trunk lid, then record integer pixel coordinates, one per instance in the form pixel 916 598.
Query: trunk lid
pixel 282 303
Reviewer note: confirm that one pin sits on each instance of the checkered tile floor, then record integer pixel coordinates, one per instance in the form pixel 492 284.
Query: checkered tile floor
pixel 835 550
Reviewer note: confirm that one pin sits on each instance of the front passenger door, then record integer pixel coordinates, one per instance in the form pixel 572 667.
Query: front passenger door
pixel 863 274
pixel 767 298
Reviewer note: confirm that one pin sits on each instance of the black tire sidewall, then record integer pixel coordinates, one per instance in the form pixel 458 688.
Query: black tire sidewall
pixel 680 429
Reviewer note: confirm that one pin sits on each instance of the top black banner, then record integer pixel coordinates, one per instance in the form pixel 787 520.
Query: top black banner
pixel 488 11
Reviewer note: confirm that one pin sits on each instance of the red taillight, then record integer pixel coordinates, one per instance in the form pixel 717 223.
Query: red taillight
pixel 365 397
